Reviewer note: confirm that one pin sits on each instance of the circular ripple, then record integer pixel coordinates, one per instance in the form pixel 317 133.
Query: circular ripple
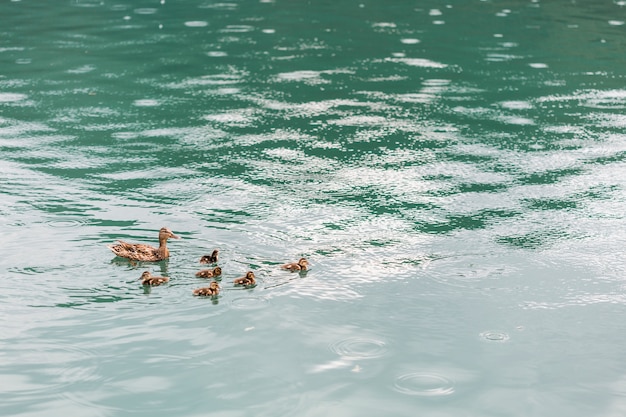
pixel 494 336
pixel 424 385
pixel 359 348
pixel 249 303
pixel 65 223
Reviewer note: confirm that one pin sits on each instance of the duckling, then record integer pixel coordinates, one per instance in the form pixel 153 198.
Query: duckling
pixel 210 259
pixel 142 252
pixel 247 280
pixel 211 291
pixel 301 265
pixel 148 279
pixel 209 273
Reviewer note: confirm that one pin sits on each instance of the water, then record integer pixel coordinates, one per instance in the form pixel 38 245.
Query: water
pixel 454 171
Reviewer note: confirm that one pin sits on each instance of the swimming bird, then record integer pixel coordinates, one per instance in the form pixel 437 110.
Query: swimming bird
pixel 142 252
pixel 210 259
pixel 247 280
pixel 209 273
pixel 148 279
pixel 211 291
pixel 301 265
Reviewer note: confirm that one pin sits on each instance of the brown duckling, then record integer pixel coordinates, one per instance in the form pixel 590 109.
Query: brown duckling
pixel 148 279
pixel 211 291
pixel 247 280
pixel 142 252
pixel 209 273
pixel 210 259
pixel 301 265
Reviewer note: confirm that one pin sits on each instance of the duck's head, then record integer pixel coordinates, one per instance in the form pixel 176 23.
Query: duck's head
pixel 217 271
pixel 166 233
pixel 145 275
pixel 250 275
pixel 214 286
pixel 303 263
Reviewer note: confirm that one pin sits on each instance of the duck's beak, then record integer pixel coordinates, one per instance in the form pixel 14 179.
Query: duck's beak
pixel 168 232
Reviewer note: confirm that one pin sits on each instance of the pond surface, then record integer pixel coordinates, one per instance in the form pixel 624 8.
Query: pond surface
pixel 453 171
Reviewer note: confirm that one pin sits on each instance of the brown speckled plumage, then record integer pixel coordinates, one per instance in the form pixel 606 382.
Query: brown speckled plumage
pixel 211 291
pixel 209 273
pixel 148 279
pixel 247 280
pixel 210 259
pixel 142 252
pixel 301 265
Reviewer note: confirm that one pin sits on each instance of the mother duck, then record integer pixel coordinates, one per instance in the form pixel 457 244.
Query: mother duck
pixel 142 252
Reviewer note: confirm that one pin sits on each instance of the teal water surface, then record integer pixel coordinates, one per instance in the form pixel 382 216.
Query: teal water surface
pixel 454 172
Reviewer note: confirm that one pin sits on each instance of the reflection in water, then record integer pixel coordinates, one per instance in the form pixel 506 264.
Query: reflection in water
pixel 447 169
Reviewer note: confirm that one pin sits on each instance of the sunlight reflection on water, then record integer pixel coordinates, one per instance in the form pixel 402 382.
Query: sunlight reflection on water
pixel 460 203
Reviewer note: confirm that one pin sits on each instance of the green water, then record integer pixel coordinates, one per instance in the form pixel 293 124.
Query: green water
pixel 454 172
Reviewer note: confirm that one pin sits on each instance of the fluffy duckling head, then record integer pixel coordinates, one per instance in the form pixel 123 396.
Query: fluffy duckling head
pixel 304 264
pixel 145 275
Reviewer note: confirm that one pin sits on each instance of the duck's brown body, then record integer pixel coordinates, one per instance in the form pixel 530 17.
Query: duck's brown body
pixel 211 291
pixel 143 252
pixel 209 273
pixel 301 265
pixel 148 279
pixel 247 280
pixel 210 259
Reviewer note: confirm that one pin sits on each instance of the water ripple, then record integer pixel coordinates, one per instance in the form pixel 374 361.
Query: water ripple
pixel 67 222
pixel 423 385
pixel 196 23
pixel 356 348
pixel 53 368
pixel 12 97
pixel 494 336
pixel 249 303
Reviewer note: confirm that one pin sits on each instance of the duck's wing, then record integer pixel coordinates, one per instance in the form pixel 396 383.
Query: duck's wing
pixel 291 267
pixel 239 281
pixel 135 251
pixel 243 281
pixel 156 281
pixel 205 291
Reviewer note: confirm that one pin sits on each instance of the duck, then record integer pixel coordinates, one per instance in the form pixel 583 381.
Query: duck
pixel 247 280
pixel 211 291
pixel 148 279
pixel 209 273
pixel 301 265
pixel 142 252
pixel 210 259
